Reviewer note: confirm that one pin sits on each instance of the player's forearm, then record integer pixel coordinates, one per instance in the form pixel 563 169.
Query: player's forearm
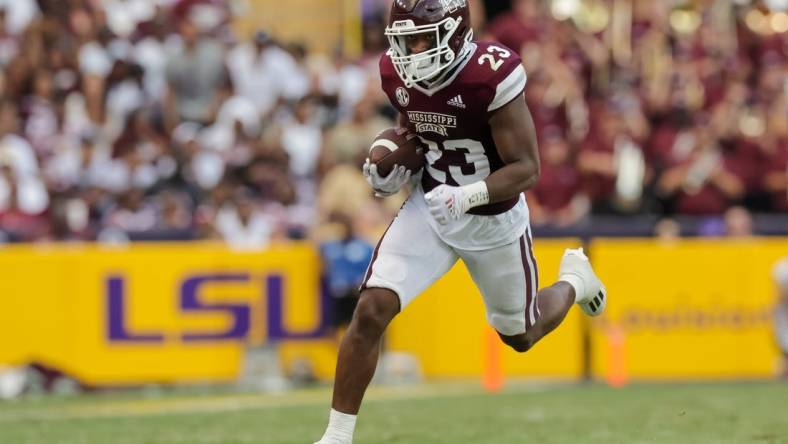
pixel 511 180
pixel 515 138
pixel 506 183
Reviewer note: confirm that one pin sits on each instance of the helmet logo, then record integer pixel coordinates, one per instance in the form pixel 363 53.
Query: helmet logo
pixel 453 5
pixel 402 96
pixel 403 24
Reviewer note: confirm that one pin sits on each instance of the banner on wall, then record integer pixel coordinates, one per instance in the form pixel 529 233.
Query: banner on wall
pixel 187 312
pixel 689 309
pixel 155 313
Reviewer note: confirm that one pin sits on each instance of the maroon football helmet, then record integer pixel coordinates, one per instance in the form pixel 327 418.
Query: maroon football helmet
pixel 448 21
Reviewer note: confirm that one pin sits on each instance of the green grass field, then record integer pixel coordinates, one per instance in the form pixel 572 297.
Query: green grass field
pixel 445 413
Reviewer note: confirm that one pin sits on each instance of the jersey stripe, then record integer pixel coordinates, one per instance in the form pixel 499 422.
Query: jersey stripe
pixel 509 88
pixel 532 261
pixel 529 288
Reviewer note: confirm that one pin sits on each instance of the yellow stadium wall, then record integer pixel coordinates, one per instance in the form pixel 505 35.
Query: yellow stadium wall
pixel 141 314
pixel 187 312
pixel 695 309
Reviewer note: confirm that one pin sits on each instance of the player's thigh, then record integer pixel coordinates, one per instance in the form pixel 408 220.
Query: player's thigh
pixel 507 278
pixel 409 257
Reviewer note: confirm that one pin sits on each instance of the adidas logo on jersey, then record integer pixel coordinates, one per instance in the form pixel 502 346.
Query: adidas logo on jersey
pixel 456 101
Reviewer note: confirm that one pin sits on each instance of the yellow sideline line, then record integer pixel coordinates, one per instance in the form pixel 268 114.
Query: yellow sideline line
pixel 167 406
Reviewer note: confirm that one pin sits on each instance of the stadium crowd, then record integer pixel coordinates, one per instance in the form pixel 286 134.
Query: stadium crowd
pixel 151 119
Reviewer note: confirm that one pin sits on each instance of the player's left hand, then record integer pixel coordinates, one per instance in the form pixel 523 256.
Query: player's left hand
pixel 446 203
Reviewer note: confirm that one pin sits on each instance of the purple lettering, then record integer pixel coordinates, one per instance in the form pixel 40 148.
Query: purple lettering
pixel 276 327
pixel 239 313
pixel 116 316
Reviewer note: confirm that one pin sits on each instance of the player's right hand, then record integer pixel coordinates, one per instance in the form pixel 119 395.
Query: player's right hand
pixel 385 186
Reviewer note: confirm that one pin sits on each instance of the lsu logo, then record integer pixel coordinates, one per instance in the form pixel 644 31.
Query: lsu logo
pixel 189 302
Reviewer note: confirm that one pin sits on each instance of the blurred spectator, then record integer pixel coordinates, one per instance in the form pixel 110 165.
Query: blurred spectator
pixel 132 213
pixel 201 169
pixel 738 222
pixel 349 141
pixel 265 73
pixel 558 198
pixel 612 161
pixel 775 181
pixel 345 261
pixel 667 229
pixel 117 116
pixel 77 164
pixel 196 76
pixel 302 139
pixel 8 43
pixel 780 275
pixel 150 52
pixel 775 150
pixel 342 190
pixel 41 125
pixel 18 14
pixel 21 190
pixel 71 220
pixel 15 149
pixel 522 24
pixel 124 94
pixel 703 179
pixel 348 81
pixel 174 212
pixel 21 216
pixel 243 224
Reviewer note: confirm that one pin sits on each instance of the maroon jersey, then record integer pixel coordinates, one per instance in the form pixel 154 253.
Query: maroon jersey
pixel 452 118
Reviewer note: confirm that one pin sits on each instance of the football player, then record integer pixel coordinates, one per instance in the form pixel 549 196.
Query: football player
pixel 465 100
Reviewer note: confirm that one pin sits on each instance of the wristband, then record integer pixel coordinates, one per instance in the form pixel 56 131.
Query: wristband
pixel 476 194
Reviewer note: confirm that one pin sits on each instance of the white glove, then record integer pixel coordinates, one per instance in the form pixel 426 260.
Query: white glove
pixel 448 203
pixel 385 186
pixel 445 203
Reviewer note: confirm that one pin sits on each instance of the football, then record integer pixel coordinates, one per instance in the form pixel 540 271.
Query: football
pixel 397 146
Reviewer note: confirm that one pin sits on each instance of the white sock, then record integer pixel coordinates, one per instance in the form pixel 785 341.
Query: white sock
pixel 340 428
pixel 576 283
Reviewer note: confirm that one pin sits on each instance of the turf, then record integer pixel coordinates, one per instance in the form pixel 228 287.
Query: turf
pixel 455 413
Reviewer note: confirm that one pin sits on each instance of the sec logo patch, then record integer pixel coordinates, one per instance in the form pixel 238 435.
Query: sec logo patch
pixel 402 96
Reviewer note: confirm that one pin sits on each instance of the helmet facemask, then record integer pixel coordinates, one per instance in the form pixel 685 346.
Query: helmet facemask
pixel 426 65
